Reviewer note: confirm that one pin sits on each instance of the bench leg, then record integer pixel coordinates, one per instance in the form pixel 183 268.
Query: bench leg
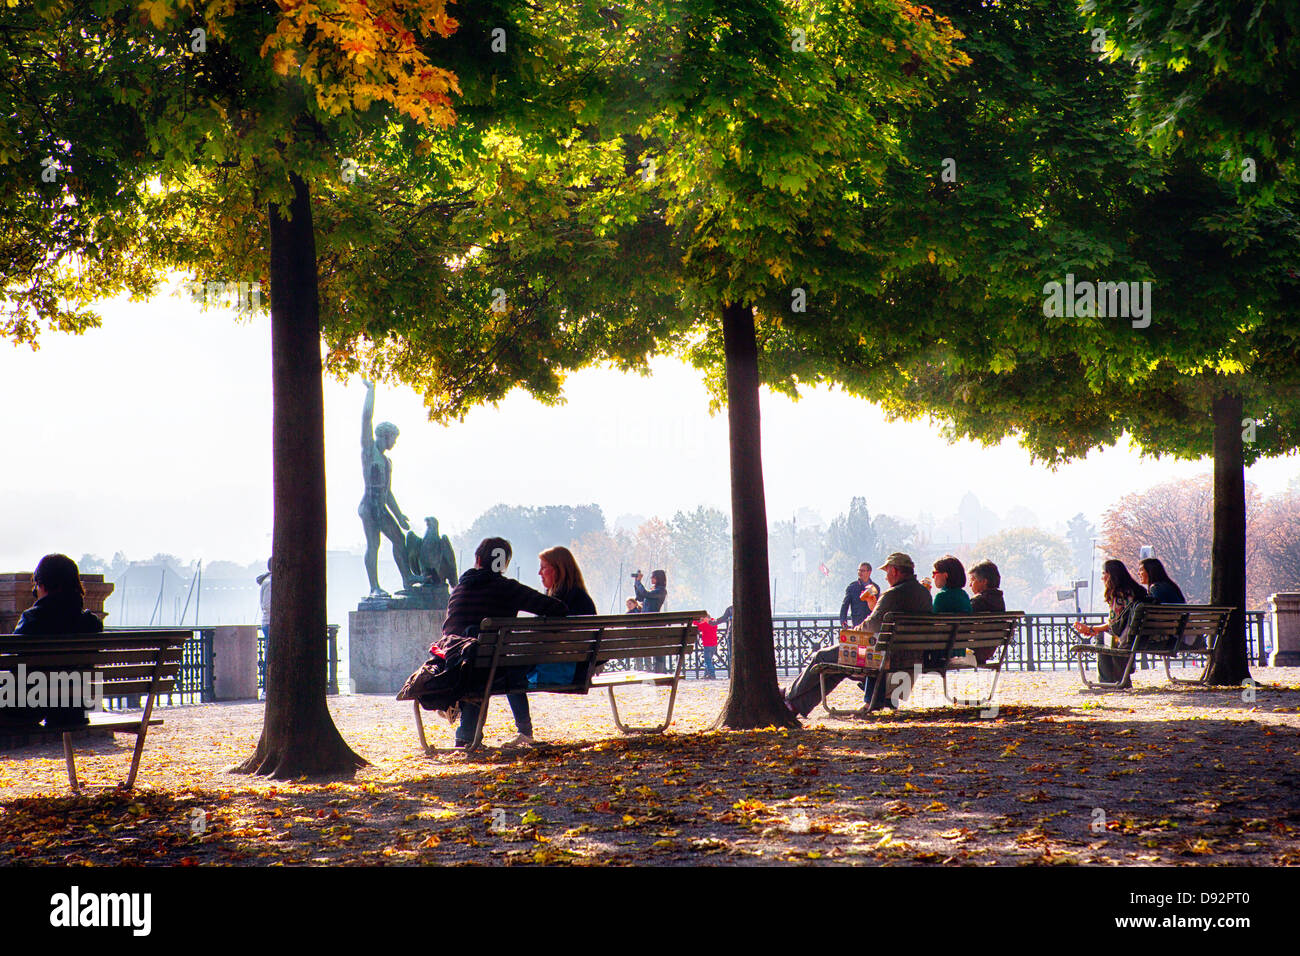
pixel 641 730
pixel 1100 684
pixel 476 742
pixel 1197 681
pixel 973 701
pixel 833 711
pixel 67 756
pixel 419 727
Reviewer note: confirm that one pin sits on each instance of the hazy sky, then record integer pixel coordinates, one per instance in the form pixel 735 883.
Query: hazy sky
pixel 153 434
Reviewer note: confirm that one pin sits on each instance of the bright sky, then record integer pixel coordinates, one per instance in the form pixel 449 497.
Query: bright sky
pixel 153 434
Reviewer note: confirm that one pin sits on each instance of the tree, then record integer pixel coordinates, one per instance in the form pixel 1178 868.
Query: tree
pixel 851 539
pixel 1176 519
pixel 701 548
pixel 1213 78
pixel 685 173
pixel 1275 533
pixel 1079 533
pixel 283 96
pixel 1218 370
pixel 1028 559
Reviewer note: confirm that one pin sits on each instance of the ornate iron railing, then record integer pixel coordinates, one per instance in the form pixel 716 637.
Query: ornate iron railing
pixel 331 660
pixel 193 682
pixel 1042 644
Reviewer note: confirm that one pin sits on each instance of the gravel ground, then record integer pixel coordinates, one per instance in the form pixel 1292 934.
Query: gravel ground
pixel 1058 775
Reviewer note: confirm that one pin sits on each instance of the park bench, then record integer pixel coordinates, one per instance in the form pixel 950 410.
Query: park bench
pixel 125 664
pixel 1168 631
pixel 525 642
pixel 940 641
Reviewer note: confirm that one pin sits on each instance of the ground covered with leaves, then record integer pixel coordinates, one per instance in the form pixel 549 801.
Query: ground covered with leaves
pixel 1058 776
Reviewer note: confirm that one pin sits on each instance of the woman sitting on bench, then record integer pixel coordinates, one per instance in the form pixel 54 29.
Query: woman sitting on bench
pixel 563 581
pixel 1163 591
pixel 1122 592
pixel 60 609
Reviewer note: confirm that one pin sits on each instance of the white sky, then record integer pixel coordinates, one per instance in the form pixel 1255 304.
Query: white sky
pixel 153 434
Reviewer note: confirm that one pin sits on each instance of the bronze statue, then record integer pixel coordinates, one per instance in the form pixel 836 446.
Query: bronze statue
pixel 378 510
pixel 433 564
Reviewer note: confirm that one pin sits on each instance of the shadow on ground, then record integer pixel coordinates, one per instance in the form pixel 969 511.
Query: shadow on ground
pixel 1036 784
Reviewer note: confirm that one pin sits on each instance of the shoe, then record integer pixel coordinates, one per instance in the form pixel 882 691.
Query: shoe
pixel 520 741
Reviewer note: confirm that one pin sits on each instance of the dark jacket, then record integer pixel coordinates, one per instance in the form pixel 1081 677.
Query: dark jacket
pixel 908 596
pixel 484 593
pixel 988 601
pixel 651 601
pixel 576 600
pixel 854 604
pixel 54 614
pixel 1166 592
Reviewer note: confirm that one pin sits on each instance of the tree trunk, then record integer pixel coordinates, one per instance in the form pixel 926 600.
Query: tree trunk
pixel 754 699
pixel 1228 555
pixel 298 735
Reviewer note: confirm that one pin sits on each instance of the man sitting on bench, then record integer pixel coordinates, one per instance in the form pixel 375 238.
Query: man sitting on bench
pixel 485 591
pixel 906 595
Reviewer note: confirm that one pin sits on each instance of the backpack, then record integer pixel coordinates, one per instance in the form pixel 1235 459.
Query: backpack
pixel 444 678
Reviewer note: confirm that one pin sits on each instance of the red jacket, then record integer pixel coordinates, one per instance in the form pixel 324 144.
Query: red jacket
pixel 708 633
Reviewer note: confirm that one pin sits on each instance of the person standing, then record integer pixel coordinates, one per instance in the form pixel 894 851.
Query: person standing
pixel 858 597
pixel 264 582
pixel 708 628
pixel 652 601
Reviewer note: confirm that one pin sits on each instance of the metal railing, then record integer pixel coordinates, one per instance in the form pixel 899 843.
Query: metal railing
pixel 1042 643
pixel 194 681
pixel 331 660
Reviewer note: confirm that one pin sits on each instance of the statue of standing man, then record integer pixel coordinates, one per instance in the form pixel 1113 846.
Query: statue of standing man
pixel 378 510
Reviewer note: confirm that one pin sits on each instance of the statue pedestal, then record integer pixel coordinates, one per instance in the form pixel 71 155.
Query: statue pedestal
pixel 385 647
pixel 1286 629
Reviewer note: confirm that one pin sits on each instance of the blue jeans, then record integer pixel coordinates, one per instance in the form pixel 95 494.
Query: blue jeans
pixel 708 653
pixel 869 688
pixel 469 718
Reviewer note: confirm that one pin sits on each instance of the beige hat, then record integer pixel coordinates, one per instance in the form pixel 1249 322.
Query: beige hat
pixel 901 561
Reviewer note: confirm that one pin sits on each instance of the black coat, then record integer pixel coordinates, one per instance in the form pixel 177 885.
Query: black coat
pixel 576 600
pixel 54 614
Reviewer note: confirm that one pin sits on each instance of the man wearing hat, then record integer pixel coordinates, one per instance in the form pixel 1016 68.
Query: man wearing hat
pixel 905 595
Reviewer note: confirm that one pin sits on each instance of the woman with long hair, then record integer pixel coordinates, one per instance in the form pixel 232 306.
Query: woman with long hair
pixel 59 608
pixel 1121 593
pixel 1162 589
pixel 562 580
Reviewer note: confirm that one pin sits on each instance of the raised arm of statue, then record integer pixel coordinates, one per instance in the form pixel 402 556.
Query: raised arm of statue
pixel 368 418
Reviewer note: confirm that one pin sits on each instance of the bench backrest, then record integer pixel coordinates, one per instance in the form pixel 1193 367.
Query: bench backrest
pixel 954 632
pixel 527 641
pixel 125 663
pixel 1161 626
